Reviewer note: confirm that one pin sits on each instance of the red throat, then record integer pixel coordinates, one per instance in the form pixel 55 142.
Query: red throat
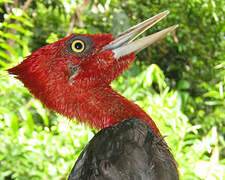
pixel 103 107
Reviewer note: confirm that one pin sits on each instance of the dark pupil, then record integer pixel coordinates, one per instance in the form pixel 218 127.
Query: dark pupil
pixel 78 46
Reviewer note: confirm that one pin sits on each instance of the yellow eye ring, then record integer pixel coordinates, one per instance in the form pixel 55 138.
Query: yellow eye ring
pixel 78 46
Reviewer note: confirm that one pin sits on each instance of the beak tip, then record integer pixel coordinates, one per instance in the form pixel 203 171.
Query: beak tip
pixel 176 26
pixel 167 12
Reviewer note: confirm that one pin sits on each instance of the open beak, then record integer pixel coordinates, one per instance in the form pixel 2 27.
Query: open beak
pixel 124 44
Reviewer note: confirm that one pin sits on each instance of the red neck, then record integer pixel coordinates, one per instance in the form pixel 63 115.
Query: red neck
pixel 103 107
pixel 99 106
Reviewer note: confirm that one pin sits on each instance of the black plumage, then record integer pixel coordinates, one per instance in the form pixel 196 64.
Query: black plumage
pixel 129 150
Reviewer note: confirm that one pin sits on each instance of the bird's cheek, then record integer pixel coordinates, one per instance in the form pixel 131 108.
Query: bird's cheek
pixel 105 60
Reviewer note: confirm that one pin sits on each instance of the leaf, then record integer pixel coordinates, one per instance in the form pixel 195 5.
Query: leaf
pixel 183 84
pixel 41 111
pixel 5 55
pixel 21 19
pixel 26 115
pixel 14 123
pixel 18 28
pixel 11 49
pixel 14 37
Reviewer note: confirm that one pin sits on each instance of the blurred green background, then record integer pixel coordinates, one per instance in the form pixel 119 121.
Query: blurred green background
pixel 179 81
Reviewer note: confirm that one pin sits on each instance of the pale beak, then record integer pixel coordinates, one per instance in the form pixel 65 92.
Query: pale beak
pixel 124 44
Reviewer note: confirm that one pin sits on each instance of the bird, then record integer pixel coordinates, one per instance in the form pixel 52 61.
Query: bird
pixel 72 76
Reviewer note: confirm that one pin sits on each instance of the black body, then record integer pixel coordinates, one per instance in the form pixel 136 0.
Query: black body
pixel 129 150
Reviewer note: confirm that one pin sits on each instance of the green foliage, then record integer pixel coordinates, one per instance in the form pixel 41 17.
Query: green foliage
pixel 40 153
pixel 184 93
pixel 20 22
pixel 57 22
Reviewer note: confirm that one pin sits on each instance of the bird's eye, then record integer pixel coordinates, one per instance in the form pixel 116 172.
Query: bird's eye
pixel 79 45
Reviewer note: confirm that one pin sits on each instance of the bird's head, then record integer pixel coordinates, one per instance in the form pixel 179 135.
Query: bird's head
pixel 80 62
